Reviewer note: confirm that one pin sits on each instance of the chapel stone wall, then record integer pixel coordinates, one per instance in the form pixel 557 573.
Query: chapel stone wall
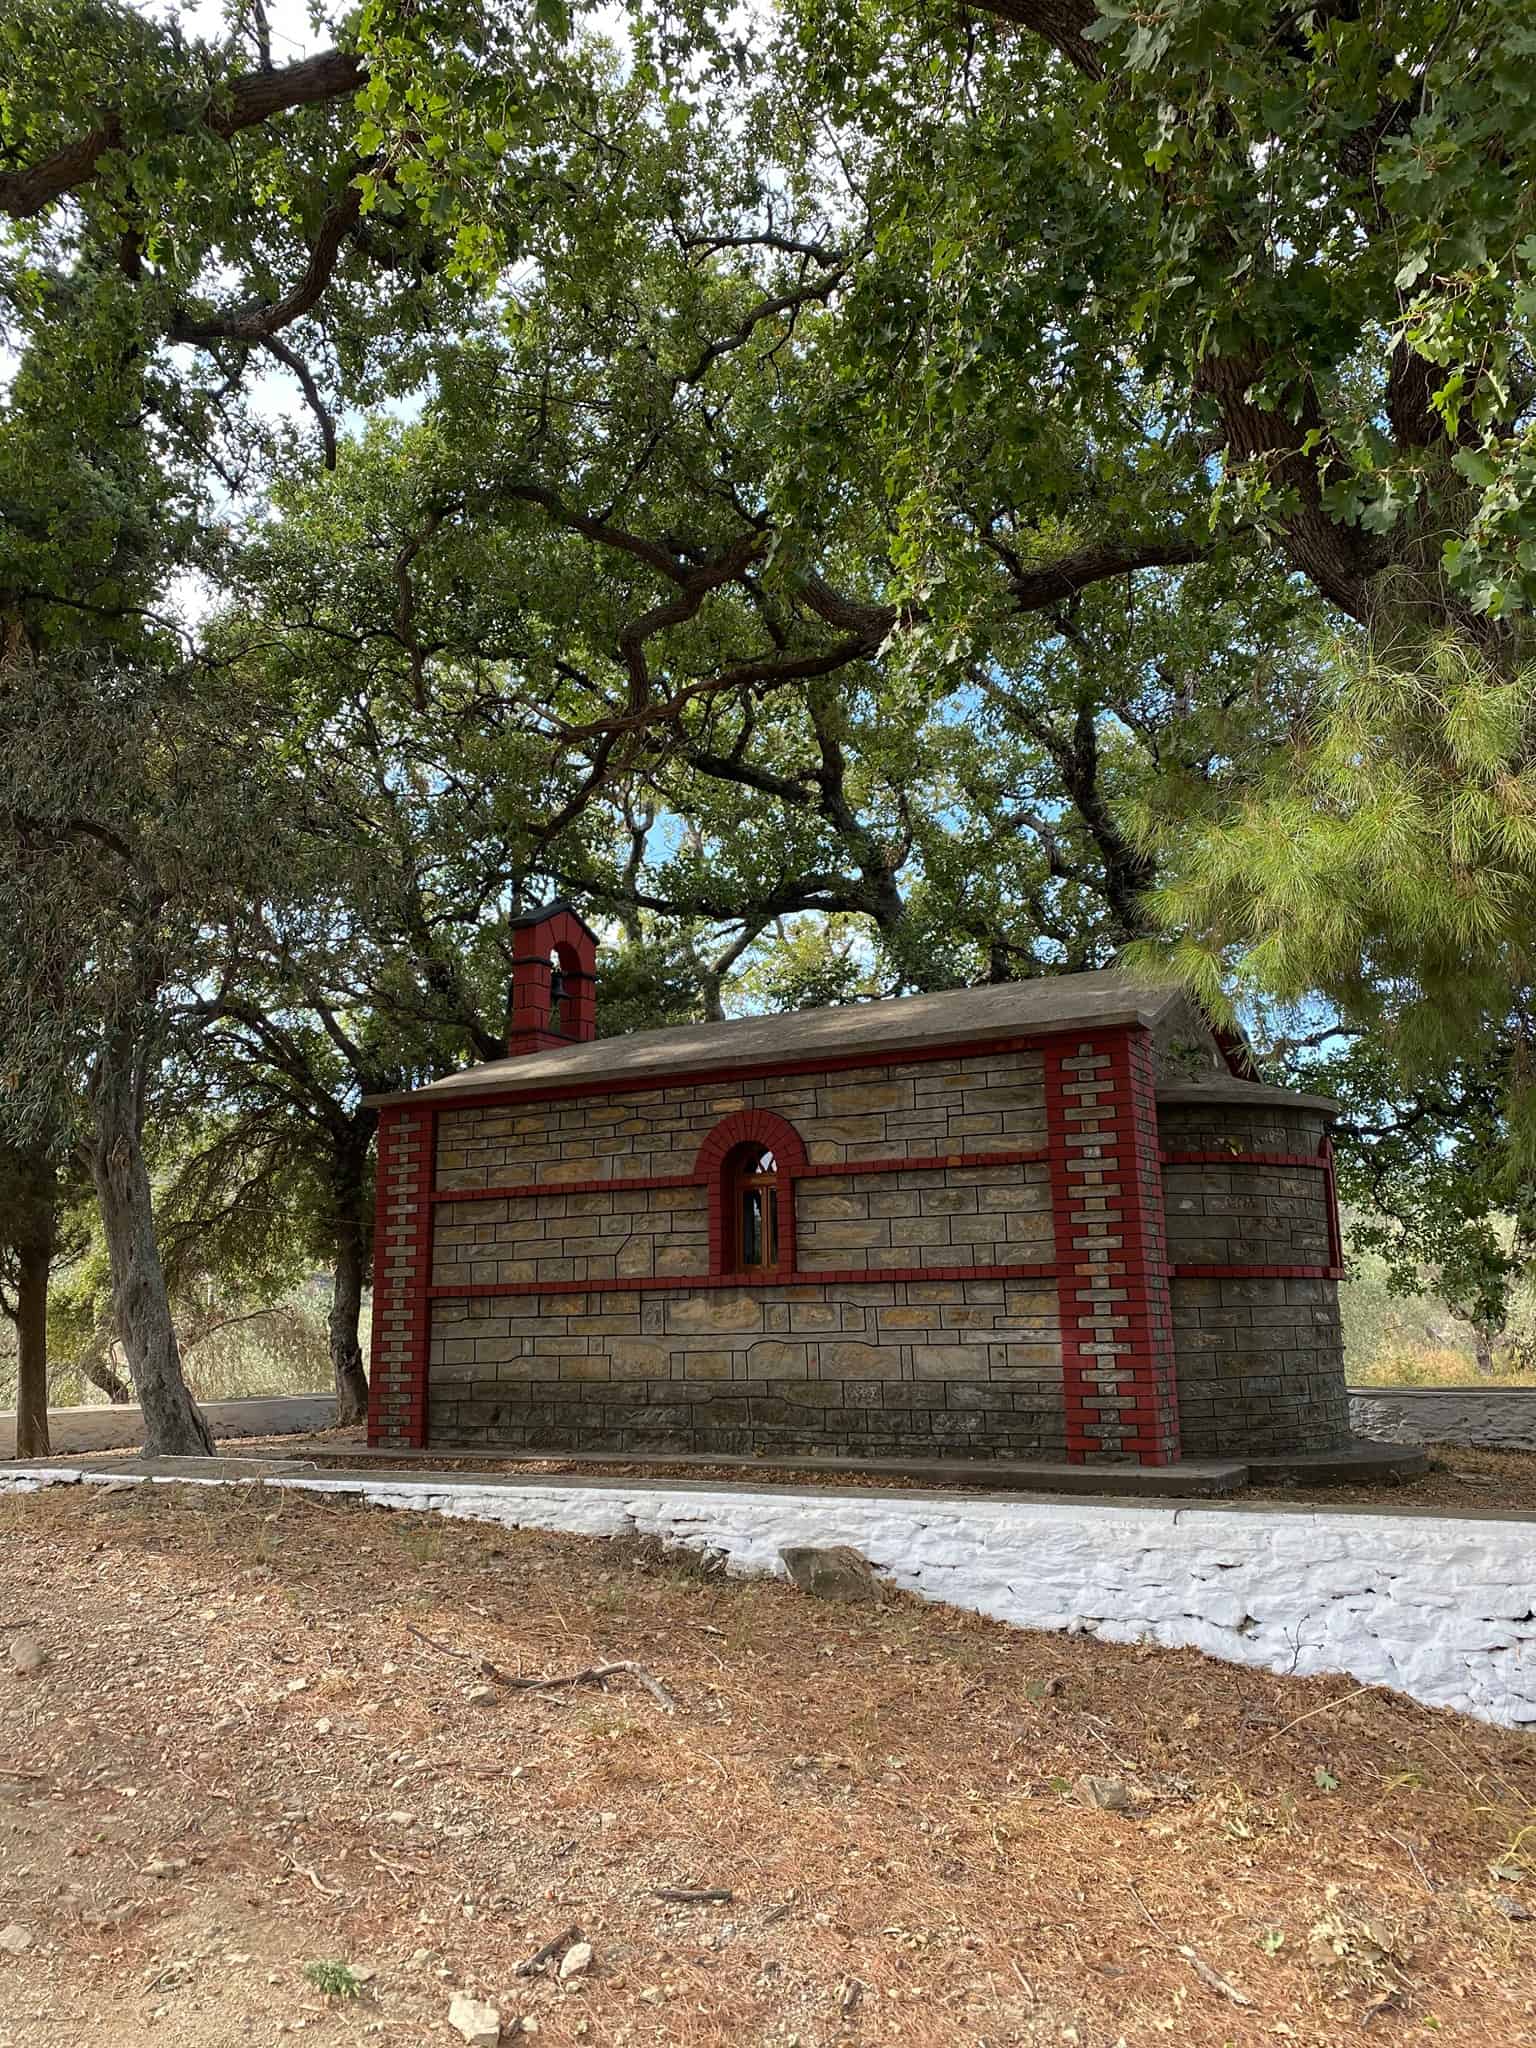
pixel 856 1363
pixel 1259 1354
pixel 872 1368
pixel 1007 1253
pixel 989 1102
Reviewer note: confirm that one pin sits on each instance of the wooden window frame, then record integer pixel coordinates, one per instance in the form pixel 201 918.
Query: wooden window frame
pixel 747 1175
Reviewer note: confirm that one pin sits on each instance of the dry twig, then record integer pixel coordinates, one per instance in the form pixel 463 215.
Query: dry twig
pixel 1403 1842
pixel 594 1674
pixel 548 1952
pixel 432 1643
pixel 304 1870
pixel 1326 1707
pixel 1211 1979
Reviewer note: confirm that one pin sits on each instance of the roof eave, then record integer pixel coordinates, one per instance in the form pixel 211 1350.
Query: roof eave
pixel 459 1090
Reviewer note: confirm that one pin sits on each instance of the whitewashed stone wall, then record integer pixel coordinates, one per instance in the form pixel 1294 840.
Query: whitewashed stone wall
pixel 1497 1419
pixel 1437 1607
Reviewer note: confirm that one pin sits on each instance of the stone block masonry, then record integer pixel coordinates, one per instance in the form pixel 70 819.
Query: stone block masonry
pixel 853 1369
pixel 920 1311
pixel 1260 1353
pixel 1496 1418
pixel 982 1104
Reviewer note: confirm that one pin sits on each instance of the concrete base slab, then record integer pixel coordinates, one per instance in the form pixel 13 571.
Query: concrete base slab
pixel 1190 1479
pixel 1358 1463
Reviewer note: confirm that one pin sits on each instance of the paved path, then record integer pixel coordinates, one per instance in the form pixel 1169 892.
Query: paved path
pixel 102 1427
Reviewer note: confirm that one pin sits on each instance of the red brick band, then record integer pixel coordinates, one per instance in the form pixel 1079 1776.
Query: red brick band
pixel 1111 1251
pixel 1310 1162
pixel 691 1283
pixel 402 1267
pixel 944 1162
pixel 1335 1272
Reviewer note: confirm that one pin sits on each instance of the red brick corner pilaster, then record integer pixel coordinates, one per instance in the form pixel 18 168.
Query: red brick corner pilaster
pixel 402 1272
pixel 1111 1253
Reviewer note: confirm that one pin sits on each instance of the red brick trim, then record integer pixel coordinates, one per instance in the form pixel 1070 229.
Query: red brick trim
pixel 1111 1252
pixel 691 1283
pixel 761 1127
pixel 1331 1196
pixel 727 1077
pixel 1257 1272
pixel 943 1162
pixel 530 1190
pixel 402 1271
pixel 770 1133
pixel 564 935
pixel 935 1162
pixel 1291 1161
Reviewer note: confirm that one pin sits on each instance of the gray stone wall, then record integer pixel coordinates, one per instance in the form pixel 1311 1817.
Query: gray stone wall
pixel 612 1233
pixel 873 1364
pixel 1496 1418
pixel 956 1216
pixel 896 1366
pixel 1260 1360
pixel 877 1368
pixel 993 1102
pixel 876 1222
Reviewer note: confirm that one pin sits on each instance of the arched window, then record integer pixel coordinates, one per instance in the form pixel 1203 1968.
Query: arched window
pixel 752 1181
pixel 750 1160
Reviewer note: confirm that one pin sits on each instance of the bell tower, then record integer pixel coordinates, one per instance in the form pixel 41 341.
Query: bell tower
pixel 554 979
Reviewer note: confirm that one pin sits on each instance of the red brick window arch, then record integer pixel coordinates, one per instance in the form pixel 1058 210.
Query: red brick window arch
pixel 749 1161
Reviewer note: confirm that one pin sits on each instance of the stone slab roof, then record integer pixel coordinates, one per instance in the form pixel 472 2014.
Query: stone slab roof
pixel 1014 1009
pixel 1227 1088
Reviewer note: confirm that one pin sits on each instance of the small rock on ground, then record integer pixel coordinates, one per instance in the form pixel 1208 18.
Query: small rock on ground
pixel 14 1939
pixel 835 1573
pixel 1108 1793
pixel 578 1957
pixel 27 1656
pixel 477 2022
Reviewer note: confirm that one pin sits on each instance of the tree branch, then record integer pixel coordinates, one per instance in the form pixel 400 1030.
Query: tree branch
pixel 260 322
pixel 244 102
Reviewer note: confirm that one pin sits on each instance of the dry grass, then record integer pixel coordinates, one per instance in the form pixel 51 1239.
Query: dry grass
pixel 249 1763
pixel 1425 1366
pixel 1460 1477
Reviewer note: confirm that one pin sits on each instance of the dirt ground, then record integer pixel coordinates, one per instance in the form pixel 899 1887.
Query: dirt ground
pixel 262 1741
pixel 1472 1480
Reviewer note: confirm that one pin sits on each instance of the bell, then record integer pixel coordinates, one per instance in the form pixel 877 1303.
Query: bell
pixel 556 986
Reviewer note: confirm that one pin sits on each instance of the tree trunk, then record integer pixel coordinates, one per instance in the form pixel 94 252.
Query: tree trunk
pixel 1482 1349
pixel 351 1224
pixel 346 1309
pixel 94 1365
pixel 173 1426
pixel 33 1261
